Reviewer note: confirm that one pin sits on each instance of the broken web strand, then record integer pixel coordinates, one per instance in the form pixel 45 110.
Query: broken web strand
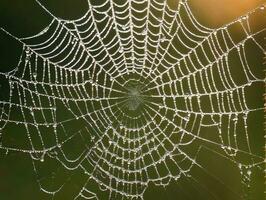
pixel 75 73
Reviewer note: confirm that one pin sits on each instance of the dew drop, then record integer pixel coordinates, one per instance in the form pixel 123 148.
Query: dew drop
pixel 144 32
pixel 34 75
pixel 240 166
pixel 163 39
pixel 124 27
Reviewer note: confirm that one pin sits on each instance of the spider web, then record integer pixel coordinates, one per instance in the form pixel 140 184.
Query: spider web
pixel 131 93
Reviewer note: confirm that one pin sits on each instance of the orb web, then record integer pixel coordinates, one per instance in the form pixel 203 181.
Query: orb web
pixel 126 94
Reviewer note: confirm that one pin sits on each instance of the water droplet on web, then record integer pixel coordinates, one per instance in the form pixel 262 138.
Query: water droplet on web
pixel 245 115
pixel 27 50
pixel 244 17
pixel 124 27
pixel 144 32
pixel 34 75
pixel 6 74
pixel 163 39
pixel 240 166
pixel 249 36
